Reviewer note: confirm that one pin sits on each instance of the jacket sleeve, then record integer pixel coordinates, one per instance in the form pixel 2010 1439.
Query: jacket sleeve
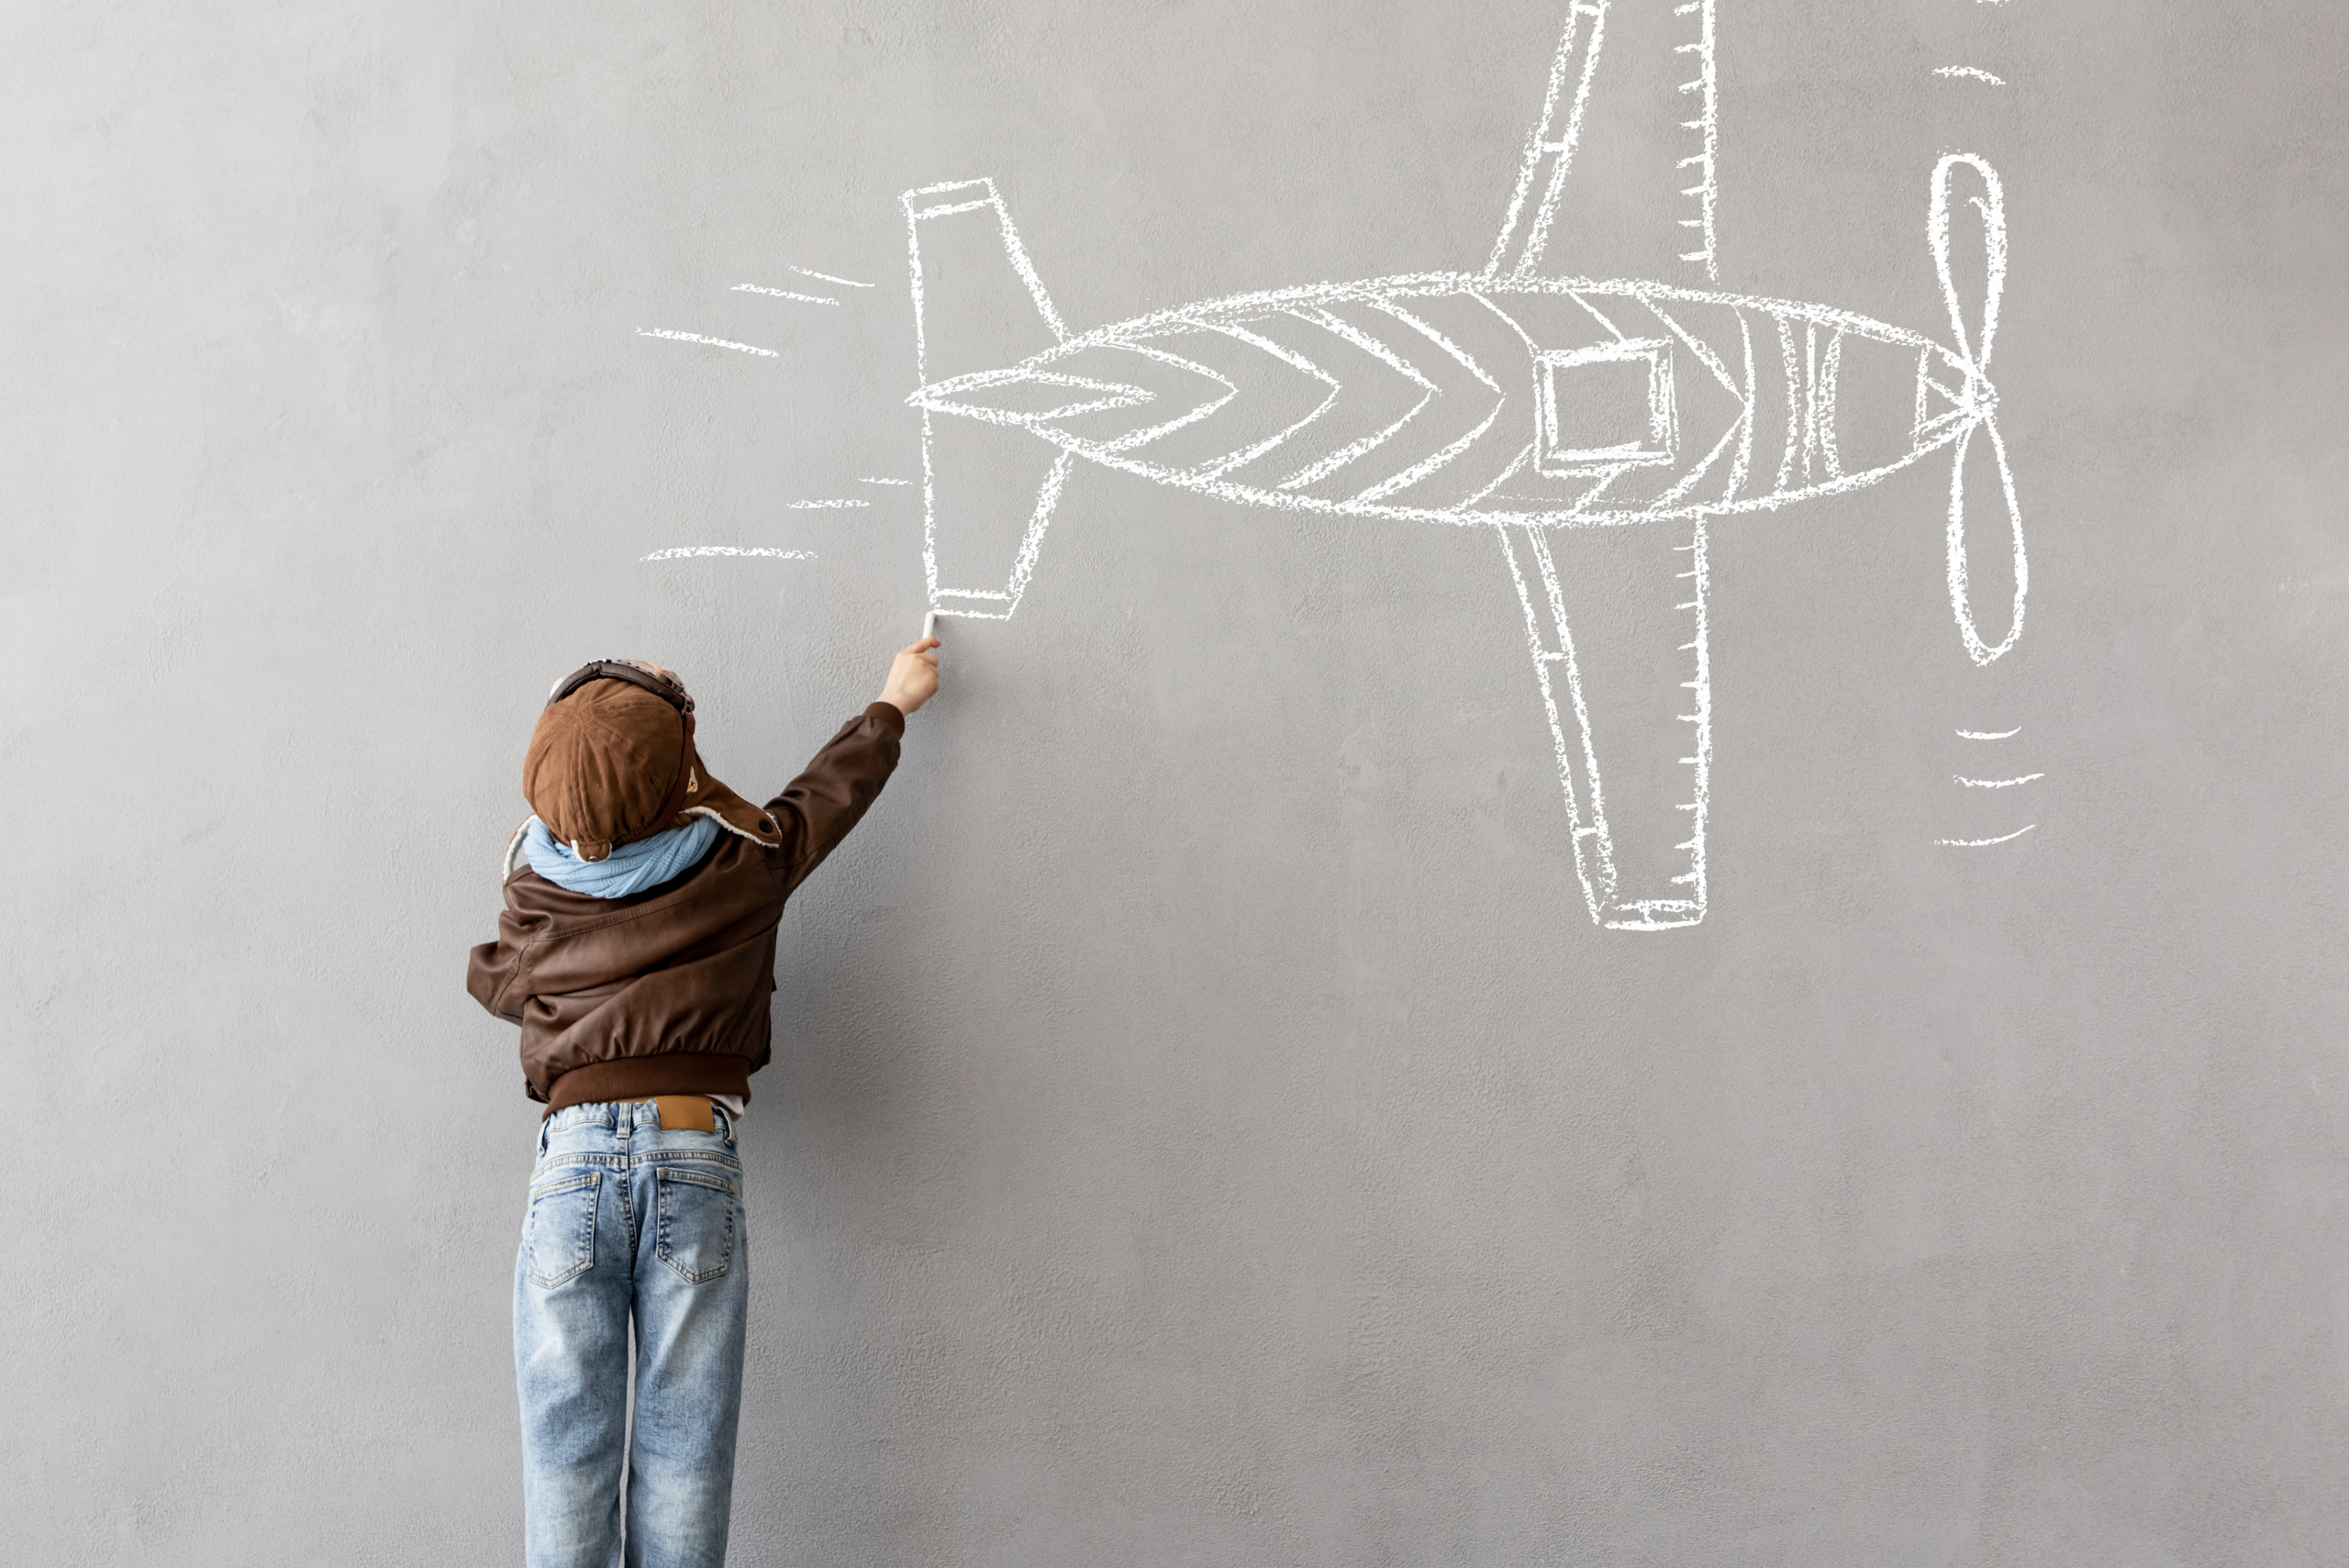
pixel 491 969
pixel 816 810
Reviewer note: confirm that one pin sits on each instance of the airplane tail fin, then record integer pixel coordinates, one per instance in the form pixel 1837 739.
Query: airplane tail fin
pixel 978 308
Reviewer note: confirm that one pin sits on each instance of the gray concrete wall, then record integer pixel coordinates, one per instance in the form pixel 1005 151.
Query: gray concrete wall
pixel 1206 1126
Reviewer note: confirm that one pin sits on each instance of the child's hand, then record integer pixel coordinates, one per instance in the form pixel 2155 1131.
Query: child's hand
pixel 913 676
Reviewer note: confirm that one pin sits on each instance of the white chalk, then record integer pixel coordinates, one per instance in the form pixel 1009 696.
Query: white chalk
pixel 1471 448
pixel 930 625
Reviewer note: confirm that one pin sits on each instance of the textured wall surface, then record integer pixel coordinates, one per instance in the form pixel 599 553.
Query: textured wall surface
pixel 1206 1126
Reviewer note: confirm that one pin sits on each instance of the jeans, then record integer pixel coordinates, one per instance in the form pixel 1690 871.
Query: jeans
pixel 628 1219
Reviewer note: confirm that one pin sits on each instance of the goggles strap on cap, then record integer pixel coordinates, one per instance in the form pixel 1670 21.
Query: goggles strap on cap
pixel 613 670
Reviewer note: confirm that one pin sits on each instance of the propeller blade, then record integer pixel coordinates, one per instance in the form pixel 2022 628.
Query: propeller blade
pixel 1960 592
pixel 1972 347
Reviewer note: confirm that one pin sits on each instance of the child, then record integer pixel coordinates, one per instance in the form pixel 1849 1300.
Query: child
pixel 637 951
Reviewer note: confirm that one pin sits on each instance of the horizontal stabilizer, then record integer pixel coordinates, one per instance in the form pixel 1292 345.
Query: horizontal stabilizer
pixel 978 304
pixel 988 488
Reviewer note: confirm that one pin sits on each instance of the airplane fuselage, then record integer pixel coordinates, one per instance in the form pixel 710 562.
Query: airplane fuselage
pixel 1464 398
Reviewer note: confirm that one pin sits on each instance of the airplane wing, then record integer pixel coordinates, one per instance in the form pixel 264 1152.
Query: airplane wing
pixel 1619 176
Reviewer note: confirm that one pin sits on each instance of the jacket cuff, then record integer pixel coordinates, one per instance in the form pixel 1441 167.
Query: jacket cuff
pixel 886 714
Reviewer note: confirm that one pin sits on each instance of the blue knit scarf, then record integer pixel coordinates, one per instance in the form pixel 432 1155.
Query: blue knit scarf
pixel 631 868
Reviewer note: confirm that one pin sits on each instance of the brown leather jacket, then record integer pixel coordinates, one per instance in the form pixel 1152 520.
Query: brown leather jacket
pixel 665 992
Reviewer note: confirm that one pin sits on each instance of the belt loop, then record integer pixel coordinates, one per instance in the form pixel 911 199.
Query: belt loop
pixel 726 1121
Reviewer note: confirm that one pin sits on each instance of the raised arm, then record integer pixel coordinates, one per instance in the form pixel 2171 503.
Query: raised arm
pixel 817 809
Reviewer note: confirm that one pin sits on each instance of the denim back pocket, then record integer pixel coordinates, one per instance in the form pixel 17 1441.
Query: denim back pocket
pixel 559 1238
pixel 696 1220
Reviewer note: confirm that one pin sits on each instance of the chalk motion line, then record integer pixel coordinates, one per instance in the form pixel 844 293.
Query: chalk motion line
pixel 712 343
pixel 682 551
pixel 784 294
pixel 1984 843
pixel 833 505
pixel 1971 73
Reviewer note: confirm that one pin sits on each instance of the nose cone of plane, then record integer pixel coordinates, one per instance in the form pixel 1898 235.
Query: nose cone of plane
pixel 1878 399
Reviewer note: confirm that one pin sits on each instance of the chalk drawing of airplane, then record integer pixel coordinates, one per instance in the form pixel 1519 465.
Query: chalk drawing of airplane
pixel 1512 397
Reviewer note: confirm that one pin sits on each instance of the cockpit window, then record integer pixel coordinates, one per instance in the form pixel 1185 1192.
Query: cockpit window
pixel 1603 405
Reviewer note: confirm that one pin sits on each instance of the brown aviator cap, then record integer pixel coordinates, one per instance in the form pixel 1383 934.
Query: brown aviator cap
pixel 612 760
